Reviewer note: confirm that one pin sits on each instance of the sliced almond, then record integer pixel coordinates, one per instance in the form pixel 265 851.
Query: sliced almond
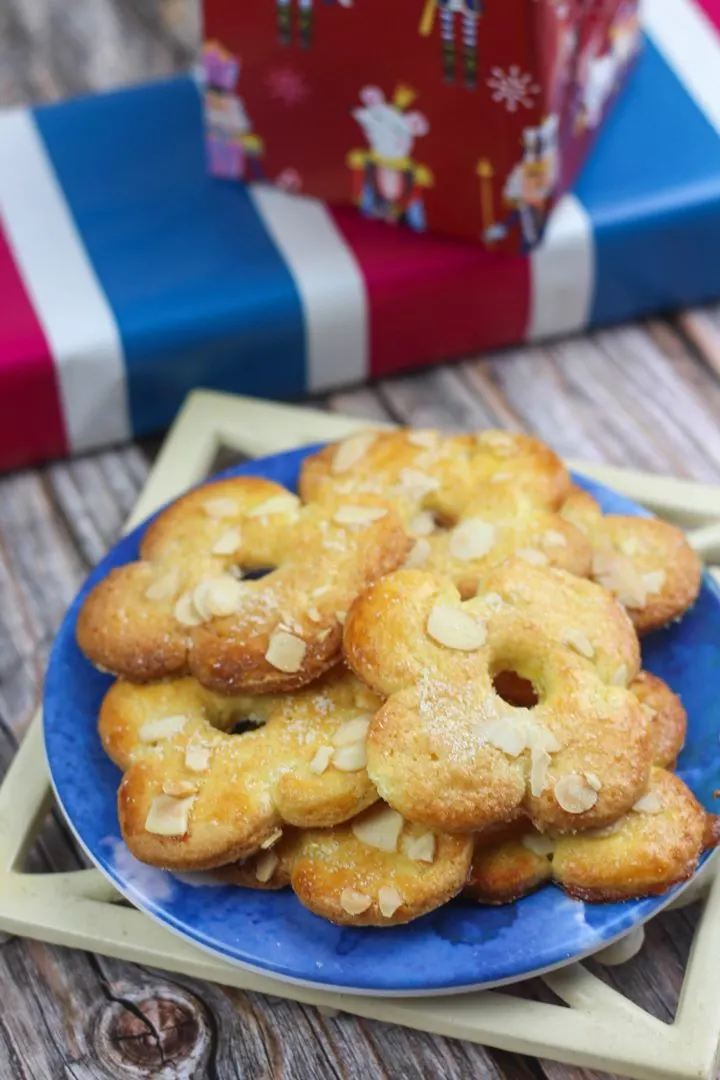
pixel 472 539
pixel 629 546
pixel 321 760
pixel 221 507
pixel 272 839
pixel 541 737
pixel 649 804
pixel 538 844
pixel 286 652
pixel 164 587
pixel 455 629
pixel 168 816
pixel 314 615
pixel 358 515
pixel 424 439
pixel 197 757
pixel 593 780
pixel 580 642
pixel 533 556
pixel 654 581
pixel 324 634
pixel 276 504
pixel 416 483
pixel 539 766
pixel 620 676
pixel 649 711
pixel 228 543
pixel 379 828
pixel 320 591
pixel 418 556
pixel 350 758
pixel 501 442
pixel 574 794
pixel 354 902
pixel 352 450
pixel 494 600
pixel 422 524
pixel 389 900
pixel 551 538
pixel 266 866
pixel 505 734
pixel 219 596
pixel 352 731
pixel 419 848
pixel 180 788
pixel 162 728
pixel 186 613
pixel 617 574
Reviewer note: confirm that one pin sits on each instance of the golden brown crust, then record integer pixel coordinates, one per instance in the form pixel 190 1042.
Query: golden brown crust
pixel 445 750
pixel 643 854
pixel 166 614
pixel 246 787
pixel 668 719
pixel 647 563
pixel 328 869
pixel 471 500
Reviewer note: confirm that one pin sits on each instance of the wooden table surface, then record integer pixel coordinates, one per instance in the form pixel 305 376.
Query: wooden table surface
pixel 645 395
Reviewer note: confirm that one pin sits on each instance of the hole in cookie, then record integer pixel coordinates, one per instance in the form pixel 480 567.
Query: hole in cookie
pixel 443 521
pixel 257 572
pixel 515 690
pixel 243 724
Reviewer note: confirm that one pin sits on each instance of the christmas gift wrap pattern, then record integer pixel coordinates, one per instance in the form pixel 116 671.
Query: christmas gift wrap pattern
pixel 128 277
pixel 465 117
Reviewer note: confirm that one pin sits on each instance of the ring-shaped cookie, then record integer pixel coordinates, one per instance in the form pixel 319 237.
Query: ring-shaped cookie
pixel 196 796
pixel 647 563
pixel 182 608
pixel 376 870
pixel 646 852
pixel 446 750
pixel 469 501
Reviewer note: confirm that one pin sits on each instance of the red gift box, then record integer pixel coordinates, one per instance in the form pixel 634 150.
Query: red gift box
pixel 465 117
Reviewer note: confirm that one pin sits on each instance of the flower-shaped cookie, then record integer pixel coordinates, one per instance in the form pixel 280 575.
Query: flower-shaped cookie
pixel 448 751
pixel 644 853
pixel 195 795
pixel 470 501
pixel 185 608
pixel 647 563
pixel 377 870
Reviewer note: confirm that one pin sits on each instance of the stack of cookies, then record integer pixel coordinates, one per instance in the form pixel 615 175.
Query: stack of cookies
pixel 419 678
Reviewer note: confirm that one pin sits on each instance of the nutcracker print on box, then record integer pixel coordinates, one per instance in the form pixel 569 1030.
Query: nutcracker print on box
pixel 467 118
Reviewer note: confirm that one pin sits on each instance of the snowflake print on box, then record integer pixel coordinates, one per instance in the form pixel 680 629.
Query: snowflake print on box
pixel 387 182
pixel 305 12
pixel 287 85
pixel 458 21
pixel 513 88
pixel 233 149
pixel 485 75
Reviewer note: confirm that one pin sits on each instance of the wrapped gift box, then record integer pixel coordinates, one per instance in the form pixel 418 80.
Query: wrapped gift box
pixel 466 117
pixel 128 276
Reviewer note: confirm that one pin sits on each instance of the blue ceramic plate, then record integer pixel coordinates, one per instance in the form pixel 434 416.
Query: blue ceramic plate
pixel 461 946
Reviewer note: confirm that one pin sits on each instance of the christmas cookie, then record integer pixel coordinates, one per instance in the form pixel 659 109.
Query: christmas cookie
pixel 186 608
pixel 195 795
pixel 647 563
pixel 469 501
pixel 377 870
pixel 644 853
pixel 447 750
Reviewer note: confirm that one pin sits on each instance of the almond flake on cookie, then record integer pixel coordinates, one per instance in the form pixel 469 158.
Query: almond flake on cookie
pixel 180 788
pixel 352 731
pixel 286 652
pixel 321 760
pixel 276 504
pixel 352 450
pixel 266 866
pixel 228 543
pixel 533 556
pixel 162 728
pixel 418 555
pixel 379 828
pixel 168 816
pixel 654 581
pixel 575 794
pixel 538 844
pixel 423 524
pixel 218 596
pixel 186 613
pixel 455 629
pixel 419 848
pixel 389 900
pixel 351 758
pixel 579 642
pixel 354 902
pixel 472 539
pixel 359 515
pixel 165 587
pixel 649 804
pixel 505 734
pixel 197 757
pixel 424 439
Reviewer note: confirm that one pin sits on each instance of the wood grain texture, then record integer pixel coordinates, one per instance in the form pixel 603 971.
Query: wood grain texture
pixel 645 396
